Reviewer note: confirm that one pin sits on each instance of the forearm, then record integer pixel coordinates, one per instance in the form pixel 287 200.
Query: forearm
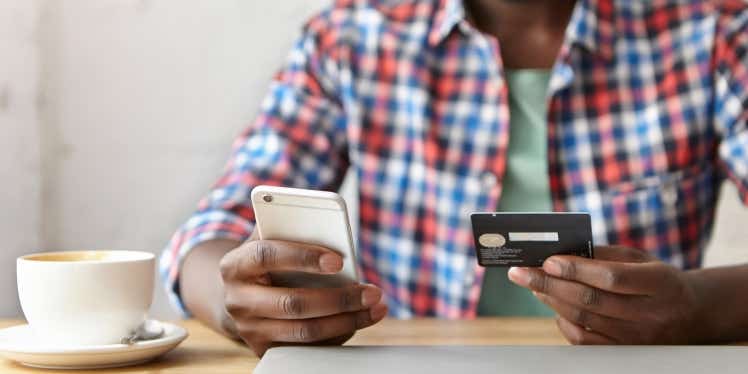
pixel 201 286
pixel 724 303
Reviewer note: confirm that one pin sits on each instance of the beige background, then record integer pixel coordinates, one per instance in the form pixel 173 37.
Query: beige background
pixel 116 115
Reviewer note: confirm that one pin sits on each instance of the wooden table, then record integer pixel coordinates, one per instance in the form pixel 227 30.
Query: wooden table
pixel 207 352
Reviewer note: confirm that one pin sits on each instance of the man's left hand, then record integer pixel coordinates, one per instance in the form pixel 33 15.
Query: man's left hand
pixel 623 296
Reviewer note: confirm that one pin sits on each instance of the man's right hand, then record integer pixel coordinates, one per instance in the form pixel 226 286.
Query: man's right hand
pixel 265 315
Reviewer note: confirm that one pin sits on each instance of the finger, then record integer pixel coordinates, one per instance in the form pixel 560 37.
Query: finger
pixel 618 277
pixel 260 256
pixel 578 335
pixel 613 328
pixel 259 347
pixel 319 329
pixel 299 303
pixel 338 340
pixel 621 254
pixel 577 294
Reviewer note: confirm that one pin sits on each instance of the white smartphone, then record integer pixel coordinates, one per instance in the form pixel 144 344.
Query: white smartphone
pixel 306 216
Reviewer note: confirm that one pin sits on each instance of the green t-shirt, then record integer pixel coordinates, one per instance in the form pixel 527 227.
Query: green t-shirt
pixel 525 186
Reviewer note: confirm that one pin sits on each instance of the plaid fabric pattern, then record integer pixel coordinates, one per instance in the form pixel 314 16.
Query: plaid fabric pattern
pixel 647 115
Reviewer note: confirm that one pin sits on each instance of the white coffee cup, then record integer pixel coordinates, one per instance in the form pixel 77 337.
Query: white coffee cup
pixel 85 298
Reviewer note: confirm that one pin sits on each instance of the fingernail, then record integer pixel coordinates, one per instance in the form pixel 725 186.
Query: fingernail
pixel 378 311
pixel 330 262
pixel 552 267
pixel 370 296
pixel 520 276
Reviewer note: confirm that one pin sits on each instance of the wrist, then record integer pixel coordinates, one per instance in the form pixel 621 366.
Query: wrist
pixel 700 329
pixel 201 284
pixel 722 311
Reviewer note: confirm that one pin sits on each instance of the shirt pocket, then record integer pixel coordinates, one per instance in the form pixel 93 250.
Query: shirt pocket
pixel 663 185
pixel 669 215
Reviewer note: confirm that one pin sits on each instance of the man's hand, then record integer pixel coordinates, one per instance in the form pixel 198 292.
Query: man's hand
pixel 623 296
pixel 265 315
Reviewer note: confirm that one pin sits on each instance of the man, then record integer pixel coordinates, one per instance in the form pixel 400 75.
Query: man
pixel 632 111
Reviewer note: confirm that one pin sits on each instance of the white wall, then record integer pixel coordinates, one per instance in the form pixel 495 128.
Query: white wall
pixel 116 115
pixel 19 151
pixel 141 100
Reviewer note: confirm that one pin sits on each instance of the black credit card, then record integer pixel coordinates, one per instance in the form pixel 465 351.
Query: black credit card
pixel 527 239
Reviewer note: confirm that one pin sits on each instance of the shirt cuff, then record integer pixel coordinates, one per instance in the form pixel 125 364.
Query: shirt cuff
pixel 201 227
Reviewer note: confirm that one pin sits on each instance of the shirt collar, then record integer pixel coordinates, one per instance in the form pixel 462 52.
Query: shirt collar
pixel 591 25
pixel 448 14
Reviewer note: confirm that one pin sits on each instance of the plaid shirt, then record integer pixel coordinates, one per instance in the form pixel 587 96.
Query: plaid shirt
pixel 647 115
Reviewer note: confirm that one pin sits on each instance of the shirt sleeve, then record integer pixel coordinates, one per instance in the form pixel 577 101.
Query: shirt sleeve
pixel 298 140
pixel 731 94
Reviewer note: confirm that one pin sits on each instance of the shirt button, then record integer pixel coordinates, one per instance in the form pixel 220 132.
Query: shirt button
pixel 669 195
pixel 468 281
pixel 488 180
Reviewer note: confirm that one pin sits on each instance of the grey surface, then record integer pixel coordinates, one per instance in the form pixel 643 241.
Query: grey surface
pixel 504 359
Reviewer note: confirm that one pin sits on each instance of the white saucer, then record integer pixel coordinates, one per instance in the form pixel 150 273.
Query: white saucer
pixel 18 343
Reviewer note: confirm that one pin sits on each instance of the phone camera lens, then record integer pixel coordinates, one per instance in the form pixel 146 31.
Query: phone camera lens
pixel 268 198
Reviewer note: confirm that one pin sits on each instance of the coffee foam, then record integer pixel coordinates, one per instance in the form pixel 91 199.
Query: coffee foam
pixel 88 256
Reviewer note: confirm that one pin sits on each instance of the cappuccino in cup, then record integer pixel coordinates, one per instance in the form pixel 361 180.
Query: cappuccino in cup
pixel 85 298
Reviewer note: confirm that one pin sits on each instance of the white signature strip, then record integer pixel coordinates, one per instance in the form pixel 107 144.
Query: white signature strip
pixel 533 236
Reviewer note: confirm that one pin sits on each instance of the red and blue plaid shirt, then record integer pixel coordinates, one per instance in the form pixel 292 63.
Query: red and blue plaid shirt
pixel 648 106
